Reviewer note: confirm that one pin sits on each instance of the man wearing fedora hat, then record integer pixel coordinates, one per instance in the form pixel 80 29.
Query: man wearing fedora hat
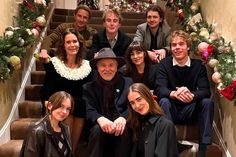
pixel 106 106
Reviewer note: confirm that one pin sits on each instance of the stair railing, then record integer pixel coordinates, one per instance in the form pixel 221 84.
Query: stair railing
pixel 5 130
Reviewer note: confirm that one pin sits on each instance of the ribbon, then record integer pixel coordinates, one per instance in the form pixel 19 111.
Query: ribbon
pixel 206 53
pixel 228 92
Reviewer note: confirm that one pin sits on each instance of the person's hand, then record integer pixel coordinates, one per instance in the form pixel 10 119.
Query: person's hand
pixel 119 126
pixel 43 56
pixel 157 55
pixel 153 56
pixel 106 125
pixel 184 94
pixel 161 53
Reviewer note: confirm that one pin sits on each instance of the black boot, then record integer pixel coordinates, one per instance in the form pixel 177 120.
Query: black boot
pixel 182 147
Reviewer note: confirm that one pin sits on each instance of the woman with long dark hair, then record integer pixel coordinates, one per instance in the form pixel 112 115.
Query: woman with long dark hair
pixel 153 134
pixel 138 65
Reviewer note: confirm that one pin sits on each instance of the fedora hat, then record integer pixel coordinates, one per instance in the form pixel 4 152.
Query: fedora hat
pixel 106 53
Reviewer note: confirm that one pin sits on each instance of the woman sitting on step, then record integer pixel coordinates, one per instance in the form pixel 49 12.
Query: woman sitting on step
pixel 68 71
pixel 50 137
pixel 138 65
pixel 153 134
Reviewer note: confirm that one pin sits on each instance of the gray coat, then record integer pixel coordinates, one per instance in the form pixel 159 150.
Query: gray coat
pixel 143 34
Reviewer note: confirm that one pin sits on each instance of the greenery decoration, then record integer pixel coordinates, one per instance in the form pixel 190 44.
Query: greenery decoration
pixel 13 43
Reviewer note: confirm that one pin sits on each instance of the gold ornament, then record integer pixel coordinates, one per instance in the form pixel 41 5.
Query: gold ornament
pixel 15 62
pixel 213 63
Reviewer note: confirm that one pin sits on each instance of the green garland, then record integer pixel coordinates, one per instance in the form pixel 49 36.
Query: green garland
pixel 30 22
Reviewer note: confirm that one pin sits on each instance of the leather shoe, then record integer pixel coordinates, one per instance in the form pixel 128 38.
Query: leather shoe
pixel 182 147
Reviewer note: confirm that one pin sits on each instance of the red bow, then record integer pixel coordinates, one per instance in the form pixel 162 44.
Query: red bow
pixel 207 53
pixel 228 92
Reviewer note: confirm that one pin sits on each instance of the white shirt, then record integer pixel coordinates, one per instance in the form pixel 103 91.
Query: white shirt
pixel 188 63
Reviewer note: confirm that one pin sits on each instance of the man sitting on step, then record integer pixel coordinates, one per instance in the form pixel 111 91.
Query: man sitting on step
pixel 183 89
pixel 82 15
pixel 110 36
pixel 154 34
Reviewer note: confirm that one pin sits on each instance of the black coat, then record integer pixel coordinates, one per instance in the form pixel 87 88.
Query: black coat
pixel 93 95
pixel 100 41
pixel 160 138
pixel 41 141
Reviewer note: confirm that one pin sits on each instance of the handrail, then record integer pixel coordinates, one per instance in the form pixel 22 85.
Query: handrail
pixel 4 132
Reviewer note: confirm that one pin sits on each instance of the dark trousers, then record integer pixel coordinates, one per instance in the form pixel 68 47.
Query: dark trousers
pixel 105 145
pixel 201 112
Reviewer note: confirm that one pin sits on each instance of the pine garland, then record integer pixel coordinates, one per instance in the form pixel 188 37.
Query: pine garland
pixel 30 22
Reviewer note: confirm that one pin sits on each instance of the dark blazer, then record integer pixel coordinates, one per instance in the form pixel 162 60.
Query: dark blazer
pixel 100 41
pixel 160 138
pixel 93 95
pixel 41 141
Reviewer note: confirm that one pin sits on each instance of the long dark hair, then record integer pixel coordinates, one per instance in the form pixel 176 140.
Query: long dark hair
pixel 133 117
pixel 130 68
pixel 61 53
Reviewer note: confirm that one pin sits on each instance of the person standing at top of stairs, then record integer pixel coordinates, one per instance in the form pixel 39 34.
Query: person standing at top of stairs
pixel 82 15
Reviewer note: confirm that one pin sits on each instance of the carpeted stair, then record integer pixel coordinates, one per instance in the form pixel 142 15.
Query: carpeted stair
pixel 30 109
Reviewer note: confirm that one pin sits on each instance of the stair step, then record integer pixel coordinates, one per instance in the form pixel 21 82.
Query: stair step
pixel 11 148
pixel 96 20
pixel 19 128
pixel 186 132
pixel 213 150
pixel 37 77
pixel 32 92
pixel 30 109
pixel 39 66
pixel 98 13
pixel 126 29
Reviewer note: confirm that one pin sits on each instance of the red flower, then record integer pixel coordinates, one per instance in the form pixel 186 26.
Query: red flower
pixel 228 92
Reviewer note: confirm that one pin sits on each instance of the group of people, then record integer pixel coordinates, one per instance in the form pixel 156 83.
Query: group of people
pixel 128 93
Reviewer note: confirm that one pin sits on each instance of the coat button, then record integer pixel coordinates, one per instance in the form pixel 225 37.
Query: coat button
pixel 146 141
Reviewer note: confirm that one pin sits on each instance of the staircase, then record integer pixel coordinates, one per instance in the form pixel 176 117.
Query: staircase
pixel 30 108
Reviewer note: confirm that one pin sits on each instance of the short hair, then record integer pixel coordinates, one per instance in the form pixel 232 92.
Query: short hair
pixel 114 11
pixel 182 34
pixel 156 8
pixel 56 100
pixel 83 7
